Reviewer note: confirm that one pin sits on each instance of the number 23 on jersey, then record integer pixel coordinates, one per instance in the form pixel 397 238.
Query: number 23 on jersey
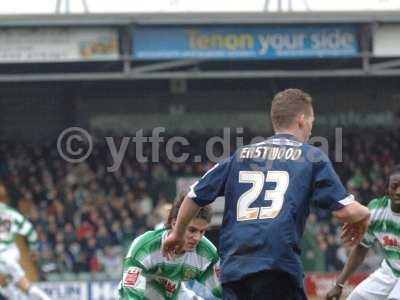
pixel 276 195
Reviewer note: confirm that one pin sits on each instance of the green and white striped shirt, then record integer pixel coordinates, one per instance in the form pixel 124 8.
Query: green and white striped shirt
pixel 13 223
pixel 149 275
pixel 384 227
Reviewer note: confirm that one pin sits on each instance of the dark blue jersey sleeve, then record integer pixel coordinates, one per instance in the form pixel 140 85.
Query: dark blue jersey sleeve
pixel 212 184
pixel 328 190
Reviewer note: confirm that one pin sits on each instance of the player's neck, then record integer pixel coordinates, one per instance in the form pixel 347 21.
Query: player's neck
pixel 293 132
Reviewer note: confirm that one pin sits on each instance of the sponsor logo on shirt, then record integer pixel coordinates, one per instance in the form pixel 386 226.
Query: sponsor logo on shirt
pixel 217 271
pixel 131 277
pixel 388 241
pixel 170 286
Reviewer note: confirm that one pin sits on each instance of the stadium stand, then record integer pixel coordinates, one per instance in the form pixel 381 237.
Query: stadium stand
pixel 83 214
pixel 97 79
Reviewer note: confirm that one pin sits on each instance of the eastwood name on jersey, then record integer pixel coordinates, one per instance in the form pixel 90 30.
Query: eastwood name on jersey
pixel 271 152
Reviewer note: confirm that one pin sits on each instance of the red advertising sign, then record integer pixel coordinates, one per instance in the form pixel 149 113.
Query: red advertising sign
pixel 318 284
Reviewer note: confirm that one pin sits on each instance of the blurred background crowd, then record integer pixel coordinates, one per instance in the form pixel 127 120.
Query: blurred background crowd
pixel 86 217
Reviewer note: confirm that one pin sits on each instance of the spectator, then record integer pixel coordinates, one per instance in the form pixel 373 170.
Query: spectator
pixel 72 205
pixel 111 261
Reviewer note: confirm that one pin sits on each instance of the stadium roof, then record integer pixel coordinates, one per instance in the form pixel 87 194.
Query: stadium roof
pixel 199 18
pixel 126 68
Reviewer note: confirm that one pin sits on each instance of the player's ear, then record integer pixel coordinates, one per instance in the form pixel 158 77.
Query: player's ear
pixel 173 222
pixel 301 120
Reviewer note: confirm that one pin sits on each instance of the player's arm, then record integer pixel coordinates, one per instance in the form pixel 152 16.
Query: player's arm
pixel 210 278
pixel 133 283
pixel 356 258
pixel 25 228
pixel 174 241
pixel 352 213
pixel 355 216
pixel 203 192
pixel 357 255
pixel 187 212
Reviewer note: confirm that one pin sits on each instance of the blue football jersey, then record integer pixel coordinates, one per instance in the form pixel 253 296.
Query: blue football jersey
pixel 268 189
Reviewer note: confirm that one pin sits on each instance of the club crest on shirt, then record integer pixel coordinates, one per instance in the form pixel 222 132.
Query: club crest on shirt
pixel 189 274
pixel 131 277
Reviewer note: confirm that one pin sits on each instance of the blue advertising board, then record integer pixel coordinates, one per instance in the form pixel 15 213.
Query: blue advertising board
pixel 96 290
pixel 255 42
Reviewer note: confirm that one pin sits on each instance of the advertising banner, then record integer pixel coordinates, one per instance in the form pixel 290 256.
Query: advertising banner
pixel 58 45
pixel 104 290
pixel 254 42
pixel 315 284
pixel 318 284
pixel 386 42
pixel 69 290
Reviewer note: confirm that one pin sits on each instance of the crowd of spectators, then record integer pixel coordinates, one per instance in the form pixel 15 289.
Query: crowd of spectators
pixel 86 216
pixel 367 159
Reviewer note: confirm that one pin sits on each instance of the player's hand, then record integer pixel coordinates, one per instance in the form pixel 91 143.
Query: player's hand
pixel 173 244
pixel 353 233
pixel 334 293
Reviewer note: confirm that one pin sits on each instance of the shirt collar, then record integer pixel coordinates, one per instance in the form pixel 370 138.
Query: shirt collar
pixel 286 136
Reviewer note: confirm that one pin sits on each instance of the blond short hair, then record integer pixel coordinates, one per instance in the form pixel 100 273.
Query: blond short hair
pixel 287 105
